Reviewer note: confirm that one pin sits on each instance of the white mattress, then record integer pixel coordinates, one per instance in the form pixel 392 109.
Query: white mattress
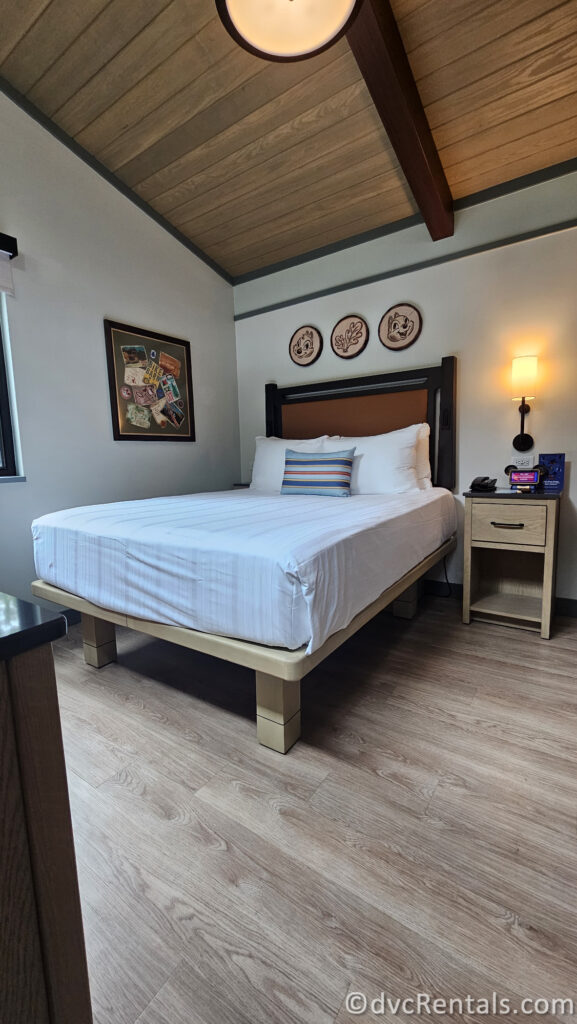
pixel 279 570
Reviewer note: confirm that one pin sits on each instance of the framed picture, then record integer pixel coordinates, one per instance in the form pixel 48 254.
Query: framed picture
pixel 350 336
pixel 305 345
pixel 150 385
pixel 400 326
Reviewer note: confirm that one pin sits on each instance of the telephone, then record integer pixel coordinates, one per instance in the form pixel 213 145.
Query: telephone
pixel 484 483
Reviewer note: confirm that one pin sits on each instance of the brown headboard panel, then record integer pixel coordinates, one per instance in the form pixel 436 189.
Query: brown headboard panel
pixel 373 405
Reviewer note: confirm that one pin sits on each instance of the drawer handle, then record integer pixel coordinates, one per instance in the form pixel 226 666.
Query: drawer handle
pixel 509 526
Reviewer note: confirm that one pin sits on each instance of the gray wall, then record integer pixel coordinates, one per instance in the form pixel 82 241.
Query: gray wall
pixel 88 253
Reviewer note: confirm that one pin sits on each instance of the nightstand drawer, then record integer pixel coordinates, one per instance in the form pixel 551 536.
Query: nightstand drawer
pixel 506 523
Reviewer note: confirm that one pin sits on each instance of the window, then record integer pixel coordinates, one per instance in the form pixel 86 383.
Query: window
pixel 7 454
pixel 7 450
pixel 8 250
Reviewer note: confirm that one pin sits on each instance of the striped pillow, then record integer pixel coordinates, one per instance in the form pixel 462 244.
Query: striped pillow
pixel 327 473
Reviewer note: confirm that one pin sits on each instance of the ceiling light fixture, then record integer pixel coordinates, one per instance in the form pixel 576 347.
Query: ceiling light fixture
pixel 286 30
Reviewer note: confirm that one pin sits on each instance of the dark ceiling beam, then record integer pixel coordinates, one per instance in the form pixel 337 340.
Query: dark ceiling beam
pixel 378 48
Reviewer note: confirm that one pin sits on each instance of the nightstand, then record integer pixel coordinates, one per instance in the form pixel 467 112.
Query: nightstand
pixel 510 558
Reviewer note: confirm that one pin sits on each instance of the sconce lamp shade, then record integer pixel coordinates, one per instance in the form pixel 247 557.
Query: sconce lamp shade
pixel 524 377
pixel 286 30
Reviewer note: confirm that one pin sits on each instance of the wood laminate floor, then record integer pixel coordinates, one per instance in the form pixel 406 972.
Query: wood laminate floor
pixel 421 838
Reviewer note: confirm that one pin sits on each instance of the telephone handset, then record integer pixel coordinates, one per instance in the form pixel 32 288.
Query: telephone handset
pixel 484 483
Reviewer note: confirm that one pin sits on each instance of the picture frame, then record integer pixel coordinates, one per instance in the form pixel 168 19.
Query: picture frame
pixel 306 345
pixel 350 336
pixel 150 381
pixel 400 326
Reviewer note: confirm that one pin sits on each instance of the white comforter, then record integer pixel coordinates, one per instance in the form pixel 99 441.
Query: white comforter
pixel 282 570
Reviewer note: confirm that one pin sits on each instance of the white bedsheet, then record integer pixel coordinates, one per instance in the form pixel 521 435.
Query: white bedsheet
pixel 282 570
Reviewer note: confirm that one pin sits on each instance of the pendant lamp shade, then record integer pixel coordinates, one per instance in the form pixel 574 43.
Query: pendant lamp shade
pixel 286 30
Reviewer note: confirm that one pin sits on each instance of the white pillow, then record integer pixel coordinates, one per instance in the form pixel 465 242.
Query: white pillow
pixel 269 458
pixel 423 467
pixel 383 463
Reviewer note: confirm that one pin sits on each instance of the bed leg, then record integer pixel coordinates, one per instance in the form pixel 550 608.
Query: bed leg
pixel 405 607
pixel 99 640
pixel 278 711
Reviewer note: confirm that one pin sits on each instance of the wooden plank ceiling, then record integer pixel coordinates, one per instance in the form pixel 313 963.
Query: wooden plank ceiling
pixel 260 162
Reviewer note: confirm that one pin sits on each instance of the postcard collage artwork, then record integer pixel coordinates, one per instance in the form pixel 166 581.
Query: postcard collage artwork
pixel 150 380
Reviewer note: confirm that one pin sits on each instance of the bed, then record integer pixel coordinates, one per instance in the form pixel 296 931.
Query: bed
pixel 173 567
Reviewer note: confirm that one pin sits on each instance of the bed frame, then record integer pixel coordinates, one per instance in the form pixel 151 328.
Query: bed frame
pixel 357 406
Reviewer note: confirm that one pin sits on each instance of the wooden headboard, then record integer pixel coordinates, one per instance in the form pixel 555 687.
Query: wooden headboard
pixel 358 406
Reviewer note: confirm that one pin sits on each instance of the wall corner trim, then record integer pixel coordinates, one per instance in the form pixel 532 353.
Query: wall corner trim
pixel 411 268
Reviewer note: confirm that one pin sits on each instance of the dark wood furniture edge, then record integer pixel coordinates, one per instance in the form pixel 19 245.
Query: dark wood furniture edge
pixel 23 986
pixel 528 496
pixel 32 627
pixel 447 452
pixel 40 755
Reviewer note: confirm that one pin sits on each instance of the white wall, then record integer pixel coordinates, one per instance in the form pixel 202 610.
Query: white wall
pixel 484 309
pixel 88 253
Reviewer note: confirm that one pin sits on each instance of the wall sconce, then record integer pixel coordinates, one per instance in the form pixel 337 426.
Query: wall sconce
pixel 523 380
pixel 286 30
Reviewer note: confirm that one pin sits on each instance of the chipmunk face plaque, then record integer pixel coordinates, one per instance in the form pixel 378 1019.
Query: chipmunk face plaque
pixel 400 326
pixel 305 345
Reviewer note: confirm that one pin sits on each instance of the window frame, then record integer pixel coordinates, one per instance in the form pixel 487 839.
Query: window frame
pixel 7 446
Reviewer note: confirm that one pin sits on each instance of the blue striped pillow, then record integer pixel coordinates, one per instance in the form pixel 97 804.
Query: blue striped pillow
pixel 327 473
